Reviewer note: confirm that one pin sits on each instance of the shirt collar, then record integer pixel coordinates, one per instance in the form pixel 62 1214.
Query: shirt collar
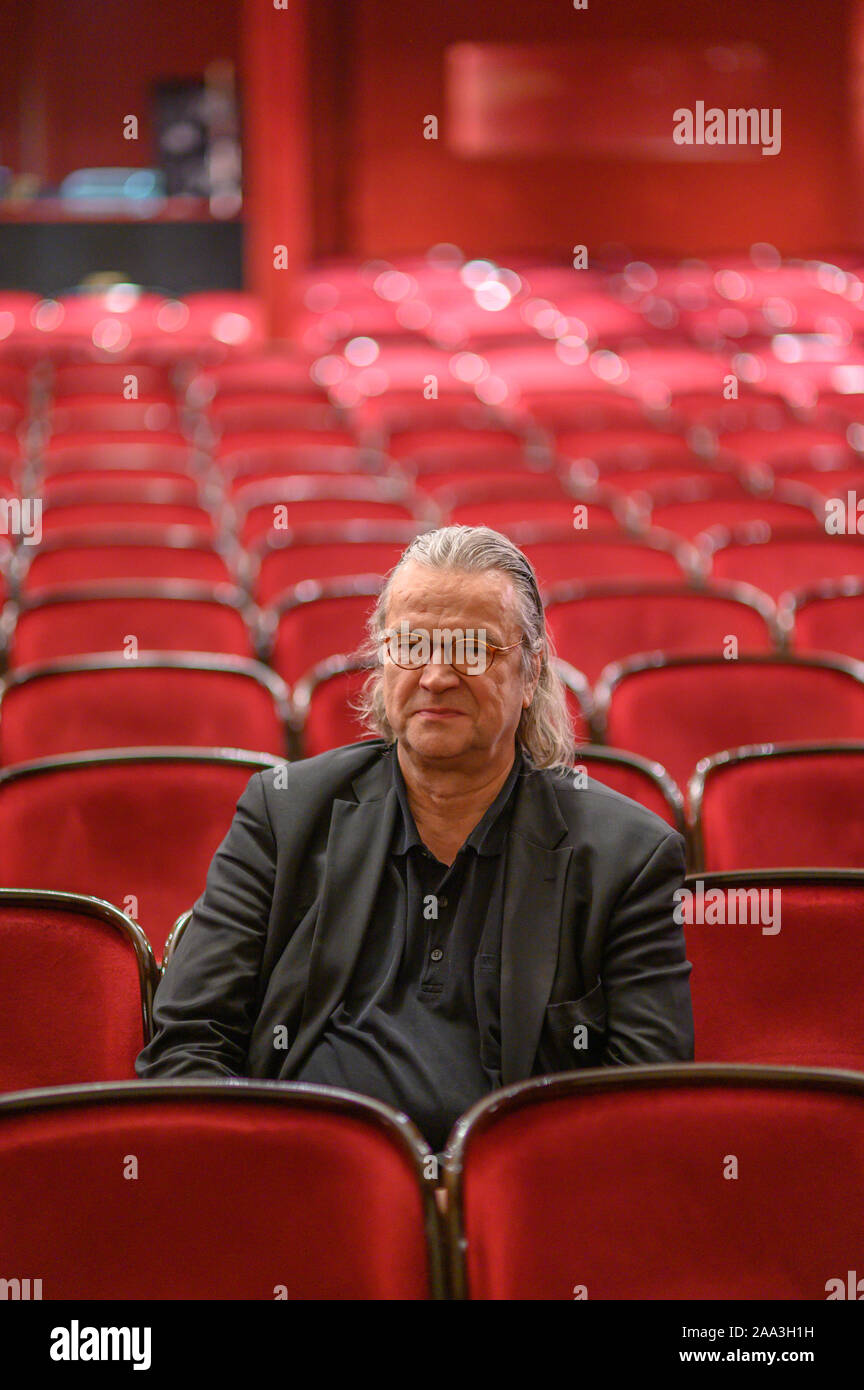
pixel 489 833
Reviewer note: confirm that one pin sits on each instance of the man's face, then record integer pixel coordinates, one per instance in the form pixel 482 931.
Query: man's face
pixel 436 713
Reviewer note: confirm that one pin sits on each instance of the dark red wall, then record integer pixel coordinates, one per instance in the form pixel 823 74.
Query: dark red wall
pixel 407 192
pixel 377 69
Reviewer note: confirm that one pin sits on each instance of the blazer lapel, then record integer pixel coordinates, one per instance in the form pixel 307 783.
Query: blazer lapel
pixel 532 923
pixel 357 848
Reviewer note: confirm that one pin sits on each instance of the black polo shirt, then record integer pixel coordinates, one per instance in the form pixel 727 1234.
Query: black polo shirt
pixel 419 1026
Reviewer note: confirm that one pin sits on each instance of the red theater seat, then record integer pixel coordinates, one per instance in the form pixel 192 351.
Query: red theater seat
pixel 11 453
pixel 323 701
pixel 293 455
pixel 157 454
pixel 283 559
pixel 623 448
pixel 804 444
pixel 314 621
pixel 780 806
pixel 160 699
pixel 72 415
pixel 692 518
pixel 749 936
pixel 258 1191
pixel 595 624
pixel 786 560
pixel 250 411
pixel 502 511
pixel 111 379
pixel 681 709
pixel 610 1185
pixel 271 370
pixel 326 500
pixel 580 701
pixel 137 827
pixel 658 486
pixel 434 450
pixel 710 410
pixel 77 984
pixel 170 616
pixel 68 559
pixel 12 413
pixel 565 412
pixel 826 618
pixel 641 780
pixel 560 556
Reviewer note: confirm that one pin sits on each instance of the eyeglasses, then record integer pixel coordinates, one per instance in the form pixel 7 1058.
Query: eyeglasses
pixel 463 650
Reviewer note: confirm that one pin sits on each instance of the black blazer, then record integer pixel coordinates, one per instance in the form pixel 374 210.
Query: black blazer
pixel 588 935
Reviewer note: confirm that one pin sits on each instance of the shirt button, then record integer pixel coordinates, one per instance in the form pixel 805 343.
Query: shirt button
pixel 437 954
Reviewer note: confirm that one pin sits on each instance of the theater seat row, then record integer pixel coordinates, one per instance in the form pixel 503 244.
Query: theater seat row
pixel 605 1185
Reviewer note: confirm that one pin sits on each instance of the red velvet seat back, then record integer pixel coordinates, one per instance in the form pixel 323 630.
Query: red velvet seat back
pixel 792 996
pixel 677 714
pixel 503 512
pixel 139 834
pixel 597 628
pixel 330 722
pixel 101 625
pixel 689 519
pixel 631 779
pixel 621 1194
pixel 831 624
pixel 556 561
pixel 785 811
pixel 233 1199
pixel 328 511
pixel 70 997
pixel 790 562
pixel 282 568
pixel 69 566
pixel 310 632
pixel 137 706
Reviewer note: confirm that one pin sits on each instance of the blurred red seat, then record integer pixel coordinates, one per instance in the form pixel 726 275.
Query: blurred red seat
pixel 436 450
pixel 559 555
pixel 810 446
pixel 247 413
pixel 324 700
pixel 826 617
pixel 623 448
pixel 103 450
pixel 116 497
pixel 777 561
pixel 692 517
pixel 111 379
pixel 325 500
pixel 71 415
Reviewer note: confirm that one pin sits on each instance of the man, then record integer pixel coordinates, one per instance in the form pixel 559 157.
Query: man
pixel 446 909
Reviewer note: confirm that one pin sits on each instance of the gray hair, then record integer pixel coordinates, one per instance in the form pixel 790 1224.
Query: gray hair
pixel 545 732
